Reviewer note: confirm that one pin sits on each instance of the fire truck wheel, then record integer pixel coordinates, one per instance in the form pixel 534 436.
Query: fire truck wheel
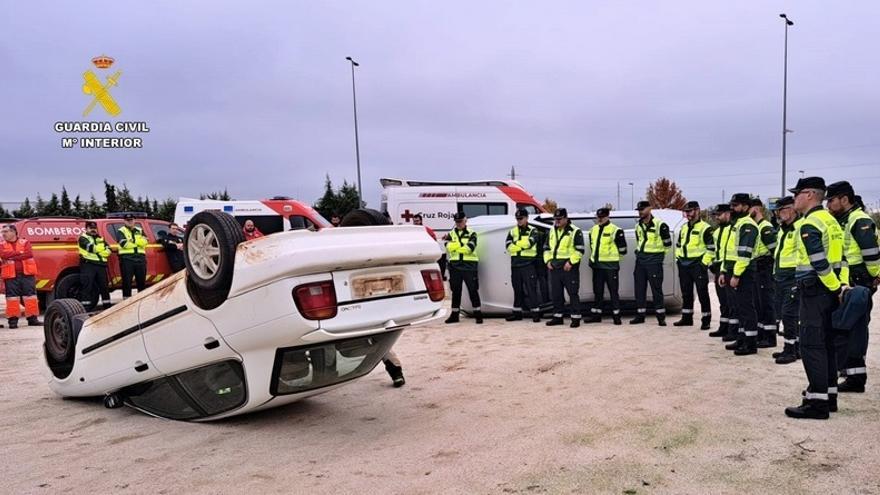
pixel 59 331
pixel 68 286
pixel 363 217
pixel 209 253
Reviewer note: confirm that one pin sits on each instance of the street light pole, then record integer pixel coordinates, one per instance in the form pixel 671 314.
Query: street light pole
pixel 785 130
pixel 357 147
pixel 632 196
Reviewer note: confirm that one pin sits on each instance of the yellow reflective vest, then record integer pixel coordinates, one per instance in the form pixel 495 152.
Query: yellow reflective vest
pixel 566 244
pixel 820 247
pixel 133 241
pixel 691 241
pixel 93 249
pixel 462 245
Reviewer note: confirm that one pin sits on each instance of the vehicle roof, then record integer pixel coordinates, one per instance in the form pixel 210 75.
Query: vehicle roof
pixel 77 219
pixel 393 182
pixel 282 199
pixel 667 215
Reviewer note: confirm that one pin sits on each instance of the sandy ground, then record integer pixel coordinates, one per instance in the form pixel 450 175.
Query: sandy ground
pixel 496 408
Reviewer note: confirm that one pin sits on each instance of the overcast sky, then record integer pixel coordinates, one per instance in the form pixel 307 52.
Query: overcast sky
pixel 577 95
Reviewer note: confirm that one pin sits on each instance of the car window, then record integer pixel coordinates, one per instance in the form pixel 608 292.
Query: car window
pixel 113 229
pixel 267 224
pixel 216 388
pixel 472 210
pixel 196 393
pixel 307 368
pixel 531 209
pixel 298 222
pixel 161 398
pixel 159 230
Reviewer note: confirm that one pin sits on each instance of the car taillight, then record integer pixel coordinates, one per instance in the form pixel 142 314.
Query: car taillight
pixel 316 301
pixel 434 284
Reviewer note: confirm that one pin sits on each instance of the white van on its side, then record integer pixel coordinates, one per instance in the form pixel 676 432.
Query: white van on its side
pixel 438 201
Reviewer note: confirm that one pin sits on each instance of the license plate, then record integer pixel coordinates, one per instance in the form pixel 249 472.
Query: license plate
pixel 363 287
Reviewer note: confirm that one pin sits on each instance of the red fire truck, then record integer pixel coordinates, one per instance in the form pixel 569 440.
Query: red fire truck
pixel 55 243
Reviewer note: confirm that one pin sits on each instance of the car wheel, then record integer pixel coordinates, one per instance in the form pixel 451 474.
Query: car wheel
pixel 209 254
pixel 364 217
pixel 68 287
pixel 60 332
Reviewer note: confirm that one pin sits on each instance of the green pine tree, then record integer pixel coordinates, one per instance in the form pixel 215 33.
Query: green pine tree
pixel 25 210
pixel 111 205
pixel 65 208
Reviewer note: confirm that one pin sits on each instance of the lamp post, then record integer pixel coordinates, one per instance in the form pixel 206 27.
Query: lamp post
pixel 785 130
pixel 357 148
pixel 632 196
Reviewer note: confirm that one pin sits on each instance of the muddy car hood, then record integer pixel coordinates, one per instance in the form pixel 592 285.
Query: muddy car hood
pixel 302 252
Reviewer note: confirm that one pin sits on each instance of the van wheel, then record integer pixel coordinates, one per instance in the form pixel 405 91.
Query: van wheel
pixel 68 287
pixel 209 253
pixel 364 217
pixel 59 331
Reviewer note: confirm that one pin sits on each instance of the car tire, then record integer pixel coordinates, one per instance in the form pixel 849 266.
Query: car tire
pixel 68 286
pixel 209 253
pixel 363 217
pixel 60 333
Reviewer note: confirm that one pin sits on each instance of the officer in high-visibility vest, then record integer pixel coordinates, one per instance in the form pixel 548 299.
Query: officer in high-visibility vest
pixel 695 240
pixel 785 264
pixel 522 246
pixel 461 245
pixel 132 256
pixel 861 267
pixel 653 239
pixel 765 293
pixel 742 278
pixel 716 257
pixel 18 269
pixel 562 254
pixel 820 253
pixel 93 255
pixel 607 246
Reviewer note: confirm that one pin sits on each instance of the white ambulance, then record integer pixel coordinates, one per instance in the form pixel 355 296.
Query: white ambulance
pixel 438 201
pixel 269 215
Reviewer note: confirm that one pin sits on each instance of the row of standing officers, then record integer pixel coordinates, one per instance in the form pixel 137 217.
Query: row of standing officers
pixel 795 272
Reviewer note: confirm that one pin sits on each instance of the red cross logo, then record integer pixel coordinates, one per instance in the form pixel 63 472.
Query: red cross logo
pixel 406 215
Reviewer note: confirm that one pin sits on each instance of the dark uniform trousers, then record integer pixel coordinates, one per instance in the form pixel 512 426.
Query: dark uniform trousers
pixel 562 281
pixel 606 277
pixel 93 283
pixel 525 287
pixel 787 307
pixel 746 312
pixel 734 325
pixel 817 338
pixel 765 294
pixel 470 279
pixel 723 306
pixel 543 293
pixel 645 274
pixel 133 266
pixel 852 346
pixel 690 275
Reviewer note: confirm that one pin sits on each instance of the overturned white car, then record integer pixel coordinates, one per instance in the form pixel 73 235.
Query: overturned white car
pixel 496 291
pixel 249 325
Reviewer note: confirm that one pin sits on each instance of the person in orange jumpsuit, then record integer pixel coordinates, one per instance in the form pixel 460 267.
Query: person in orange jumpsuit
pixel 18 269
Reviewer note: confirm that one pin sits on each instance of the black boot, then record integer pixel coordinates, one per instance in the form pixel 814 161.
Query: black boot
pixel 594 318
pixel 749 346
pixel 453 317
pixel 661 320
pixel 809 409
pixel 555 321
pixel 638 320
pixel 767 340
pixel 617 320
pixel 832 402
pixel 396 374
pixel 706 322
pixel 536 316
pixel 106 305
pixel 721 332
pixel 687 320
pixel 575 322
pixel 736 344
pixel 33 321
pixel 478 315
pixel 851 385
pixel 515 316
pixel 733 334
pixel 787 356
pixel 13 323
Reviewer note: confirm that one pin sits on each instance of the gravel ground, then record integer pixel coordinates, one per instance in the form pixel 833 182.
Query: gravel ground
pixel 493 408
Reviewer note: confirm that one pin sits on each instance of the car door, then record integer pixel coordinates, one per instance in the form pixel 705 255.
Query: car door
pixel 176 337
